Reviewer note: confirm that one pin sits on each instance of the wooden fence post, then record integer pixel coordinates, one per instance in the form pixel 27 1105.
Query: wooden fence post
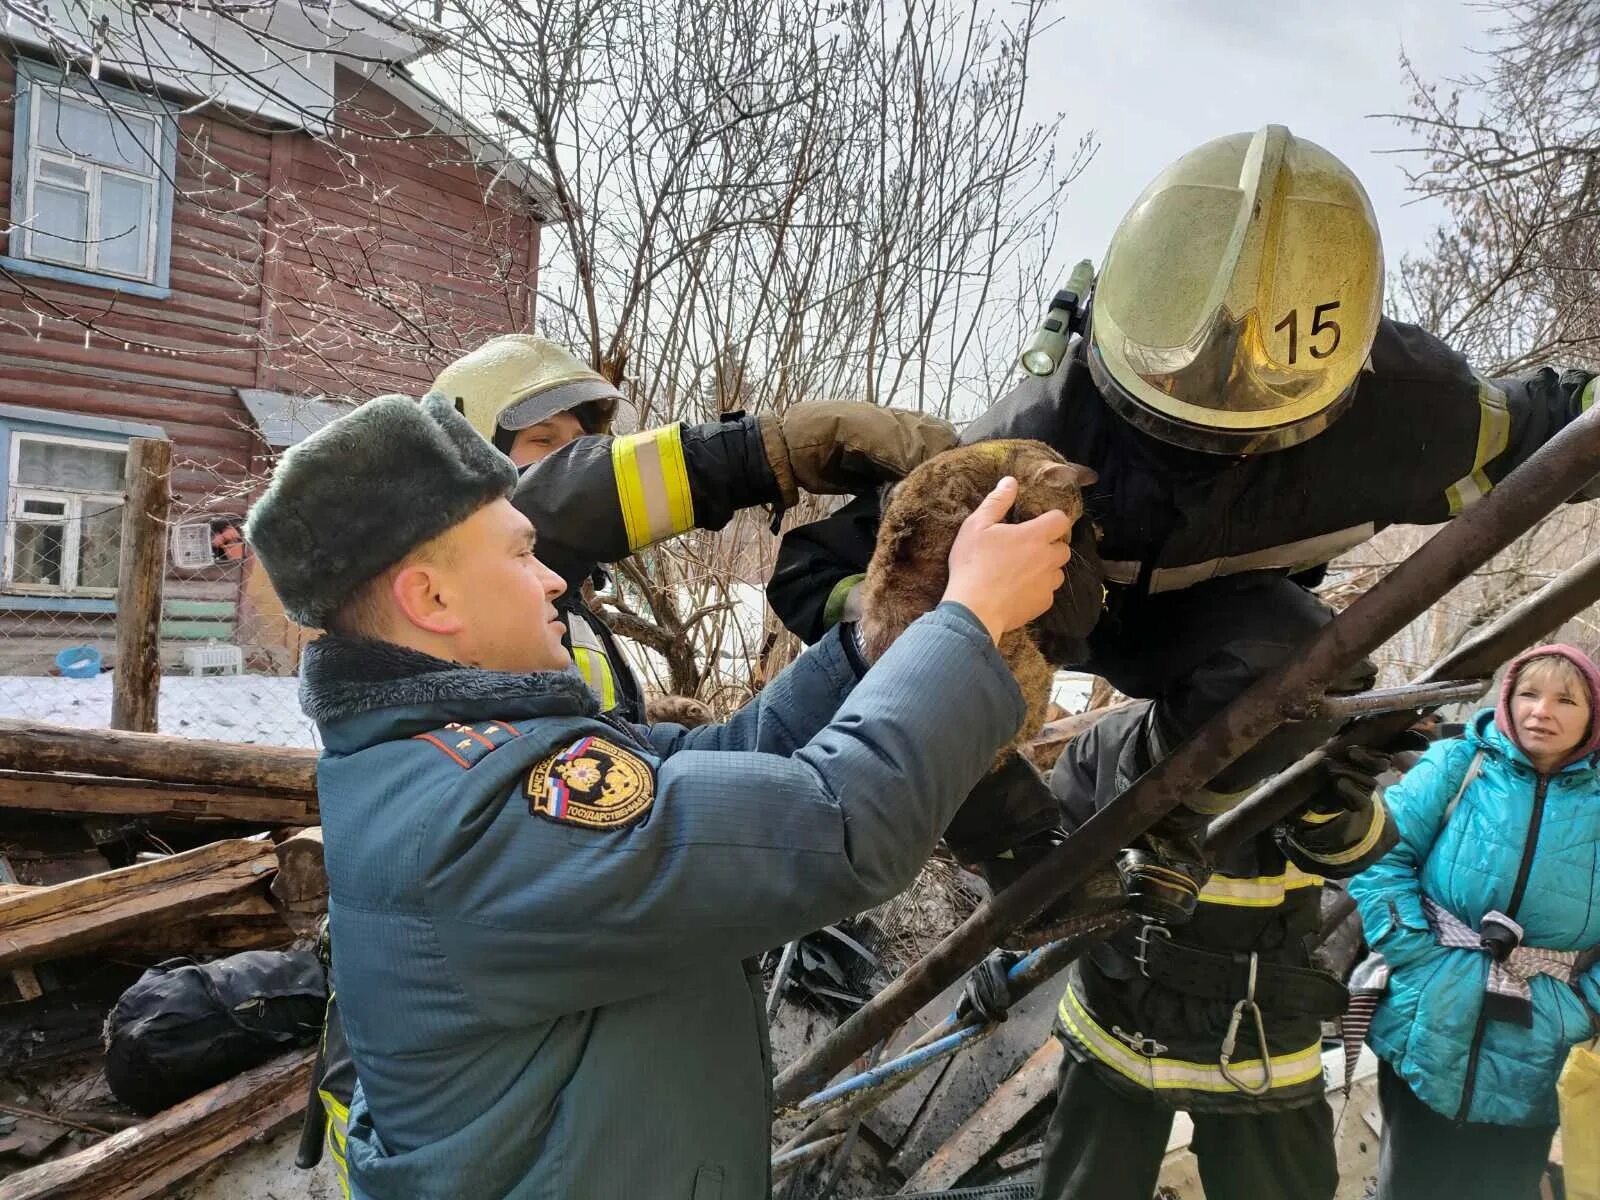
pixel 136 682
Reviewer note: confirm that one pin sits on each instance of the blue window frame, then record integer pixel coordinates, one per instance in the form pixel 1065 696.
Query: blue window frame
pixel 91 183
pixel 62 496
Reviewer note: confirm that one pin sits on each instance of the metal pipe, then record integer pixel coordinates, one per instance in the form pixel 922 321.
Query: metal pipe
pixel 1412 699
pixel 783 1163
pixel 869 1088
pixel 1519 627
pixel 906 1064
pixel 1554 473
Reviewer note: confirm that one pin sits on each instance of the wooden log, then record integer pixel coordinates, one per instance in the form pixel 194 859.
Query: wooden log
pixel 52 922
pixel 1012 1102
pixel 136 682
pixel 251 923
pixel 33 746
pixel 146 798
pixel 172 1145
pixel 301 884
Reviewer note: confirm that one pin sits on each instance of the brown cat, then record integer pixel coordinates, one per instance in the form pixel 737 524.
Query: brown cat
pixel 924 512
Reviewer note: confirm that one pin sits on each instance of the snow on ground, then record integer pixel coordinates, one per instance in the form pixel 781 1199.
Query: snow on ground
pixel 265 710
pixel 262 709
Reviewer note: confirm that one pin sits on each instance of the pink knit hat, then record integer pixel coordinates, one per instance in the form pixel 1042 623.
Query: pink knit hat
pixel 1591 677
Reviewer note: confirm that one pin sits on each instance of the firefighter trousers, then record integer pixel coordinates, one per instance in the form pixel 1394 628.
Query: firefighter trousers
pixel 1103 1144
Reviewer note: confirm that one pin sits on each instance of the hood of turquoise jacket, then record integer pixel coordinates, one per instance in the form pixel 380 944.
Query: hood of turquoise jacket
pixel 1591 677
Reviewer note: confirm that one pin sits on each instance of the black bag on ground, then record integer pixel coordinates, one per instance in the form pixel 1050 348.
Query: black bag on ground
pixel 186 1026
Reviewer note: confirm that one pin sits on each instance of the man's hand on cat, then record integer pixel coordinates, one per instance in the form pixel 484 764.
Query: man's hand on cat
pixel 1007 574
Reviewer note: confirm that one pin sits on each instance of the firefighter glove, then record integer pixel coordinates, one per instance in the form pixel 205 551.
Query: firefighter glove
pixel 848 447
pixel 1349 779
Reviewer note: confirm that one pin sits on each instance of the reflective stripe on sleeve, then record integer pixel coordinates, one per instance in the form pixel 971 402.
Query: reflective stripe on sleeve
pixel 838 599
pixel 1295 556
pixel 1364 846
pixel 1211 804
pixel 1260 891
pixel 1590 393
pixel 652 485
pixel 1176 1074
pixel 1494 434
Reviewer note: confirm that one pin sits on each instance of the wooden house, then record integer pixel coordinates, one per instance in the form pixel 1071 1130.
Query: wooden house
pixel 218 237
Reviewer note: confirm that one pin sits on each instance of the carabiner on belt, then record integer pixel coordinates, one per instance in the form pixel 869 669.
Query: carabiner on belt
pixel 1225 1059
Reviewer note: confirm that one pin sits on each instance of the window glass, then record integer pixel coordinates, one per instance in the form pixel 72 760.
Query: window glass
pixel 88 129
pixel 38 552
pixel 62 465
pixel 125 209
pixel 60 225
pixel 99 539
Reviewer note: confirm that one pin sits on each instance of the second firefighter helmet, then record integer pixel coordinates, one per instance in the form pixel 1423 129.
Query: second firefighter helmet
pixel 517 380
pixel 1240 296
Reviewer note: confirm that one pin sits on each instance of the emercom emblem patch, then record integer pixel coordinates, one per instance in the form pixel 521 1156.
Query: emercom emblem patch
pixel 593 783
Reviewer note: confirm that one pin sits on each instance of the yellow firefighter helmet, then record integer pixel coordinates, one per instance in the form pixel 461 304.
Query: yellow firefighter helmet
pixel 1240 295
pixel 517 380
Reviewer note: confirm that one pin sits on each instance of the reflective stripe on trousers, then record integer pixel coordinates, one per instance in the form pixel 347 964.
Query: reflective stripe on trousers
pixel 338 1132
pixel 1176 1074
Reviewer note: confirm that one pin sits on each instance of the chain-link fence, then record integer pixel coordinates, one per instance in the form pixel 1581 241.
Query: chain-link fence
pixel 228 654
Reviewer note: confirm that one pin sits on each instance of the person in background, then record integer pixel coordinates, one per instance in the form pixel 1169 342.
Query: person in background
pixel 1484 919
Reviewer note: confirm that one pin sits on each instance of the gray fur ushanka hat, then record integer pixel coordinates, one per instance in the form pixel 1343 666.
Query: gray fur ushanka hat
pixel 362 492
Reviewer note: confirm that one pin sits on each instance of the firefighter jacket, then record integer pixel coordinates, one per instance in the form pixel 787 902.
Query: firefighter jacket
pixel 1423 439
pixel 540 913
pixel 599 499
pixel 1151 1007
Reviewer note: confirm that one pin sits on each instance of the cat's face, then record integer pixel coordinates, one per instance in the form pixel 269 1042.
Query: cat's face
pixel 1045 480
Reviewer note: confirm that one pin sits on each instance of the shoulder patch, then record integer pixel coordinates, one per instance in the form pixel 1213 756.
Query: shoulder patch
pixel 468 745
pixel 593 783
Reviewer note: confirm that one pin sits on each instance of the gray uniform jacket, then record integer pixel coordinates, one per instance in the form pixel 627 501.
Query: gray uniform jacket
pixel 540 914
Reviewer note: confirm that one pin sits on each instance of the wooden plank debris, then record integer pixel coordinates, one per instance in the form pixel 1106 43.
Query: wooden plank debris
pixel 249 923
pixel 1012 1103
pixel 52 922
pixel 62 793
pixel 301 884
pixel 35 746
pixel 973 1077
pixel 172 1145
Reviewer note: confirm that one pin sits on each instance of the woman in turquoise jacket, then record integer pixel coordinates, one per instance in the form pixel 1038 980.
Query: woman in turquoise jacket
pixel 1484 916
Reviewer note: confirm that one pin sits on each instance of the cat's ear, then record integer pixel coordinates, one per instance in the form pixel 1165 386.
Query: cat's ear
pixel 1063 474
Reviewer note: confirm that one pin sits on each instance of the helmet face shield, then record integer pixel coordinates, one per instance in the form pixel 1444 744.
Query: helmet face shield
pixel 518 380
pixel 1240 296
pixel 565 397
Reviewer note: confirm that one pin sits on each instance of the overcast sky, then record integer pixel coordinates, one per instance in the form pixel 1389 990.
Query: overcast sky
pixel 1154 78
